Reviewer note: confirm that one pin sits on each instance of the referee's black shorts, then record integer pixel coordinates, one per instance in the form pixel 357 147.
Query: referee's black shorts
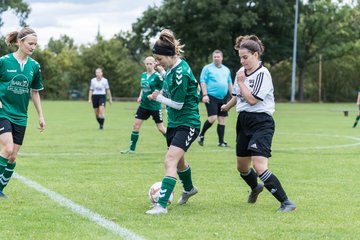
pixel 214 106
pixel 254 133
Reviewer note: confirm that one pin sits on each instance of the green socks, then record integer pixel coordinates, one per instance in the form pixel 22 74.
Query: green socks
pixel 133 140
pixel 167 187
pixel 3 163
pixel 5 177
pixel 356 121
pixel 185 178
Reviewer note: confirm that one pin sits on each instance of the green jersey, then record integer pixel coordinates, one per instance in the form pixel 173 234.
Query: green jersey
pixel 181 86
pixel 148 85
pixel 16 80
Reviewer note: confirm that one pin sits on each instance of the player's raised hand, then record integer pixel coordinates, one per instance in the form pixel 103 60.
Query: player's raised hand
pixel 240 76
pixel 224 108
pixel 154 95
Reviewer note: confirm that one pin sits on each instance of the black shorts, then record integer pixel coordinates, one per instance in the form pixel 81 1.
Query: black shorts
pixel 144 114
pixel 254 133
pixel 18 132
pixel 98 100
pixel 214 107
pixel 181 136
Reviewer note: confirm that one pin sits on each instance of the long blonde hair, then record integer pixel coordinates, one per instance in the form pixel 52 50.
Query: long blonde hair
pixel 167 40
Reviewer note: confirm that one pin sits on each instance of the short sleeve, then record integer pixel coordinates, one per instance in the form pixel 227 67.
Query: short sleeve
pixel 229 77
pixel 91 85
pixel 236 89
pixel 107 86
pixel 37 83
pixel 203 74
pixel 262 85
pixel 159 82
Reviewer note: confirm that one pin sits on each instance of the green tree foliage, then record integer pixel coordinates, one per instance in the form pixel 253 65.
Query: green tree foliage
pixel 205 25
pixel 56 46
pixel 325 28
pixel 117 64
pixel 19 7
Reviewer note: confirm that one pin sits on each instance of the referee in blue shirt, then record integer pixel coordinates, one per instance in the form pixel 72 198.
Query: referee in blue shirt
pixel 216 83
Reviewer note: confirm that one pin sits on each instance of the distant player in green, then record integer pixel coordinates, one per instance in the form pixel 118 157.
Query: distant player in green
pixel 180 94
pixel 358 104
pixel 20 79
pixel 149 82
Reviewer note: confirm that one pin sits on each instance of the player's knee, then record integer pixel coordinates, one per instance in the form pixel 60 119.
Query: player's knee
pixel 170 163
pixel 260 168
pixel 7 151
pixel 12 158
pixel 242 168
pixel 212 119
pixel 136 127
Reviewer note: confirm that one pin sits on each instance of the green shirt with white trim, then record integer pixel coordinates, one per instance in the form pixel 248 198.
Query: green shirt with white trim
pixel 16 82
pixel 148 85
pixel 181 86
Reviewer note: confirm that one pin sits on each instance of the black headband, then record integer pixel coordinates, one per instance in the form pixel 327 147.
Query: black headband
pixel 165 51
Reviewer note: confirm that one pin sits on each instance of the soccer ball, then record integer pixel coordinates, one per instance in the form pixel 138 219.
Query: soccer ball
pixel 154 193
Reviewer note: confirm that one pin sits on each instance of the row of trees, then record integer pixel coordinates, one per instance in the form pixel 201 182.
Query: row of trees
pixel 326 28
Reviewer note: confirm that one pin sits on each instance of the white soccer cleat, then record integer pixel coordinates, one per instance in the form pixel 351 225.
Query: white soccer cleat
pixel 128 151
pixel 186 195
pixel 156 210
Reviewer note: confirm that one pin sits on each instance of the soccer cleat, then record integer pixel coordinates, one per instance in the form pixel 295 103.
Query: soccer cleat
pixel 354 124
pixel 128 151
pixel 186 195
pixel 255 193
pixel 223 144
pixel 2 195
pixel 201 140
pixel 101 128
pixel 156 210
pixel 287 206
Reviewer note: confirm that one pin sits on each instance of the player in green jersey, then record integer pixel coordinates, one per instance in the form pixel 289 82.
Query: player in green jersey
pixel 358 104
pixel 180 94
pixel 20 79
pixel 149 82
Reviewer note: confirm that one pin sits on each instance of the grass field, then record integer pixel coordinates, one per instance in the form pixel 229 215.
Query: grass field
pixel 315 155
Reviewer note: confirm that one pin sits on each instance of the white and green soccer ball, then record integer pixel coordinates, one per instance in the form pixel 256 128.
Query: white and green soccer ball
pixel 155 191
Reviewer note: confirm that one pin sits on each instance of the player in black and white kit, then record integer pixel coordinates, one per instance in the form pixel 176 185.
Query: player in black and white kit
pixel 99 87
pixel 253 94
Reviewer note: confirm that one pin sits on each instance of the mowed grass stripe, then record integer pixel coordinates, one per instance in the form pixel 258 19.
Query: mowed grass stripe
pixel 322 182
pixel 79 209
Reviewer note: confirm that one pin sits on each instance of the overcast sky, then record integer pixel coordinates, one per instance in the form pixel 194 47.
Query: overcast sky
pixel 79 19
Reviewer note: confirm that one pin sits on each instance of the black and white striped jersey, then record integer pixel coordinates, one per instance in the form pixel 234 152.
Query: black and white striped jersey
pixel 261 86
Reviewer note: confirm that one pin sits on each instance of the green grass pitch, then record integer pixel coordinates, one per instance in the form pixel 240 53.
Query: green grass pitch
pixel 315 155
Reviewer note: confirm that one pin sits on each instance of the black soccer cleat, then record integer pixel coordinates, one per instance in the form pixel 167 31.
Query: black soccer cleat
pixel 201 140
pixel 255 193
pixel 287 206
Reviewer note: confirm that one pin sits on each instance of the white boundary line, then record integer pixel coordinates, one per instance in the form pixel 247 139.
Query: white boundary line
pixel 76 208
pixel 206 150
pixel 356 139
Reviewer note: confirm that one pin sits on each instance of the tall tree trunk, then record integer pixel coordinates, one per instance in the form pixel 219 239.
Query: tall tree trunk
pixel 301 83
